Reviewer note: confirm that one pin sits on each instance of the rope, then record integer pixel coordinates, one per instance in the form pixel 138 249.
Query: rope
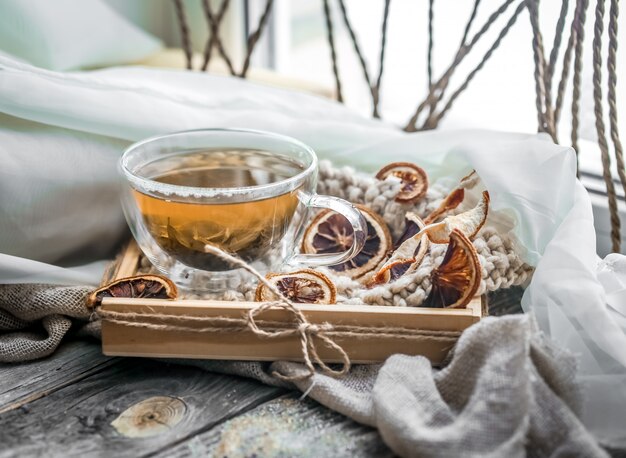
pixel 443 82
pixel 604 149
pixel 468 26
pixel 212 41
pixel 567 62
pixel 383 42
pixel 543 98
pixel 579 26
pixel 306 331
pixel 611 65
pixel 433 105
pixel 333 52
pixel 184 31
pixel 556 45
pixel 432 122
pixel 214 26
pixel 430 42
pixel 254 37
pixel 357 49
pixel 268 328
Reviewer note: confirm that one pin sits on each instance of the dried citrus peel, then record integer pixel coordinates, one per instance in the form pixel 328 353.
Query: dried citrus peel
pixel 469 181
pixel 456 280
pixel 414 180
pixel 455 198
pixel 305 286
pixel 468 223
pixel 140 286
pixel 407 257
pixel 451 201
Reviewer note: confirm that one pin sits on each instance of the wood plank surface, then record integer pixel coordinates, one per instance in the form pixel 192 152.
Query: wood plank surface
pixel 132 408
pixel 73 361
pixel 286 426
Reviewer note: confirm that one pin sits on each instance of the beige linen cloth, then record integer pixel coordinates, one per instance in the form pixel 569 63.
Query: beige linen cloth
pixel 505 391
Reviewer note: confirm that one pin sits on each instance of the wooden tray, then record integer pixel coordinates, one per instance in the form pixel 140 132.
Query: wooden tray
pixel 122 340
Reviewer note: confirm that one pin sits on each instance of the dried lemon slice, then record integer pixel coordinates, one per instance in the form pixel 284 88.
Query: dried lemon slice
pixel 141 286
pixel 407 256
pixel 330 232
pixel 469 222
pixel 456 280
pixel 303 286
pixel 414 180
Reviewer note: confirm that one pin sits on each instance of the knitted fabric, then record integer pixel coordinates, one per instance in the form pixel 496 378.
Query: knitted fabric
pixel 501 264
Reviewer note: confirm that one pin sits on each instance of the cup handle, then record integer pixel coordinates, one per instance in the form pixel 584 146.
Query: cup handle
pixel 354 217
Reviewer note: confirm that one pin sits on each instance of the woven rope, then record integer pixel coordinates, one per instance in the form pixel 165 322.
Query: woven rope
pixel 469 23
pixel 184 31
pixel 434 119
pixel 333 52
pixel 579 25
pixel 556 45
pixel 598 30
pixel 213 31
pixel 612 96
pixel 357 50
pixel 430 42
pixel 567 63
pixel 433 104
pixel 214 26
pixel 254 37
pixel 543 98
pixel 438 89
pixel 381 61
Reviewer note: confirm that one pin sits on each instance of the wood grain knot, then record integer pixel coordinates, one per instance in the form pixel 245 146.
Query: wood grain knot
pixel 150 417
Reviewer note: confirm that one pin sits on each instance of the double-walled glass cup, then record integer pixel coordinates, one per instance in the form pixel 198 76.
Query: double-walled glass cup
pixel 245 192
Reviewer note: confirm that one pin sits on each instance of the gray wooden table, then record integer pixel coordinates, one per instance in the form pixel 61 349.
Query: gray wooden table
pixel 80 403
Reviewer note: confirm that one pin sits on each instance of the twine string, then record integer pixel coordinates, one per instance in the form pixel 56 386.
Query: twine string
pixel 308 333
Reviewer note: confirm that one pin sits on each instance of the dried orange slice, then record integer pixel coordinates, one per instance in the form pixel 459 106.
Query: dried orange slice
pixel 141 286
pixel 469 222
pixel 407 256
pixel 414 180
pixel 303 286
pixel 456 280
pixel 451 201
pixel 330 232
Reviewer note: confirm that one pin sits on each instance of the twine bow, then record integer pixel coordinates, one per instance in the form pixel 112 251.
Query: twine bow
pixel 308 332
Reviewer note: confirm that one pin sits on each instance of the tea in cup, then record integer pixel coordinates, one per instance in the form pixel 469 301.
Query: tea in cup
pixel 245 192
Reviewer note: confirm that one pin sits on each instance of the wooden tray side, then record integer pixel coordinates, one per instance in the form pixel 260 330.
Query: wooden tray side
pixel 121 340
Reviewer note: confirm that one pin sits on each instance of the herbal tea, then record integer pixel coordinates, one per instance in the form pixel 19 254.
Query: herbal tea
pixel 247 229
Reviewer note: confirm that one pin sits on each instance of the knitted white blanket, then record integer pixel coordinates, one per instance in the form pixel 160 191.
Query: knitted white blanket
pixel 501 264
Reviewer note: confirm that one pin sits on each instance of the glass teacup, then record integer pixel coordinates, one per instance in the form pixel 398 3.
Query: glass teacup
pixel 245 192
